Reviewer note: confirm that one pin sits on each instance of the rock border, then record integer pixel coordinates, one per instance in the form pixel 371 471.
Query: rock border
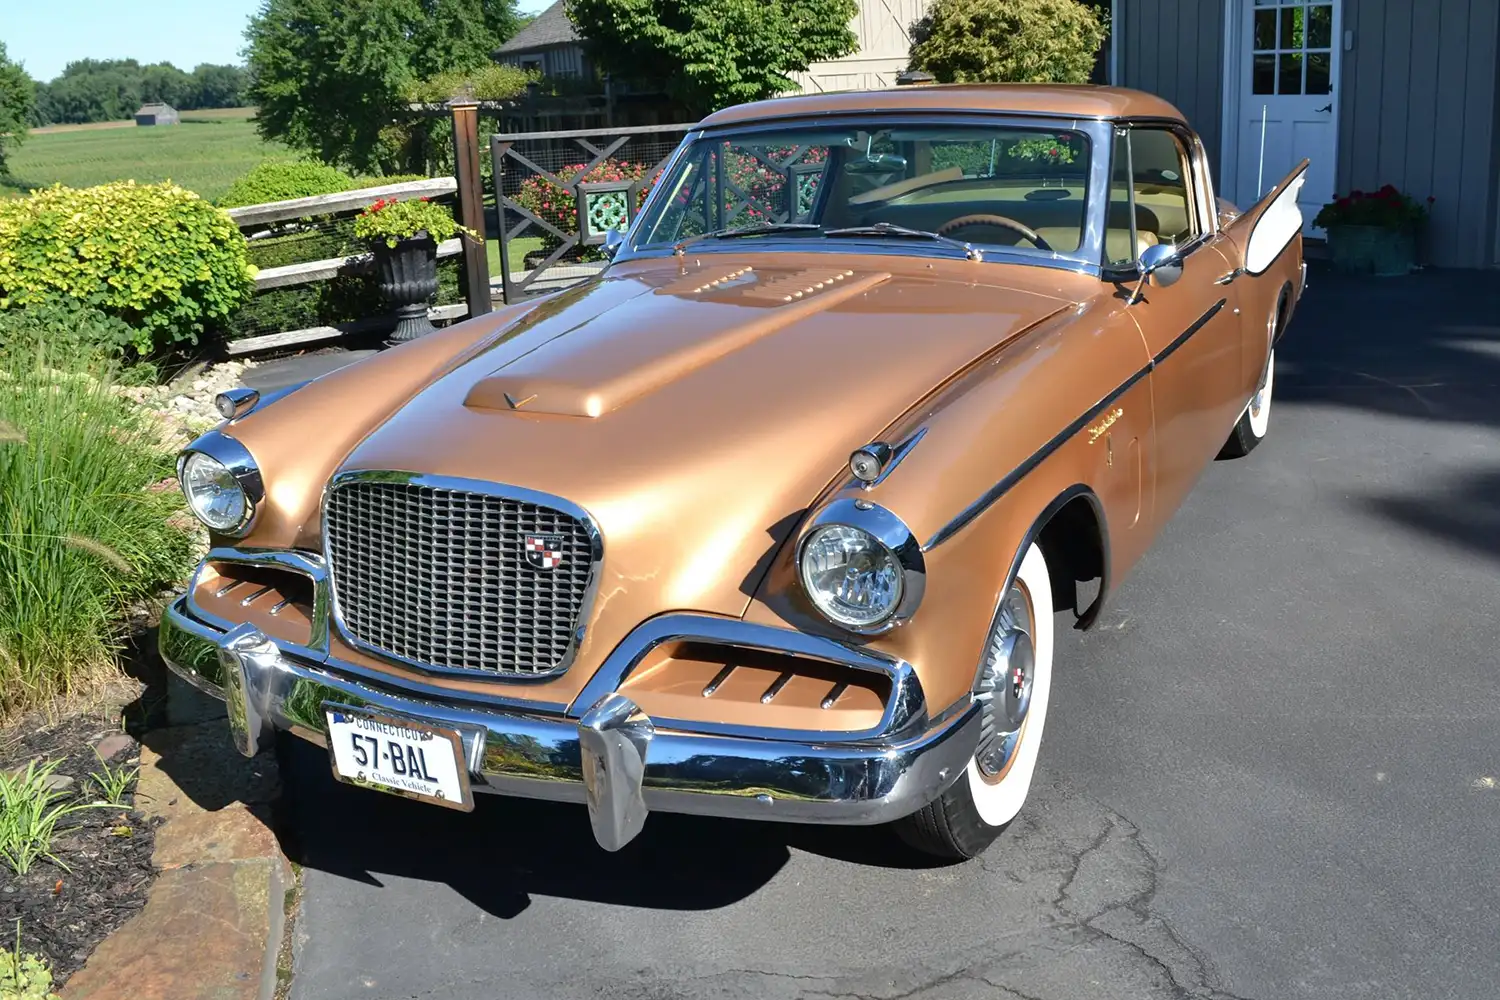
pixel 214 919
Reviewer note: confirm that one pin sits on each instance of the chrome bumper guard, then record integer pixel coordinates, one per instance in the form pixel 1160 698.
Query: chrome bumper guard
pixel 611 756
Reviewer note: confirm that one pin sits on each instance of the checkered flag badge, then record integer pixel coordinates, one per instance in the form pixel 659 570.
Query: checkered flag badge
pixel 543 551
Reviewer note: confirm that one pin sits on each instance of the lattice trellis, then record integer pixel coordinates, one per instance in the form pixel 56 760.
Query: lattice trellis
pixel 599 206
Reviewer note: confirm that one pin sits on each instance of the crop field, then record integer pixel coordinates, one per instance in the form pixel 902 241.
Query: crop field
pixel 204 154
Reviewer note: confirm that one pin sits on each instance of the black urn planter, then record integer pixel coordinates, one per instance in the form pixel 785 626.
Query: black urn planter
pixel 408 280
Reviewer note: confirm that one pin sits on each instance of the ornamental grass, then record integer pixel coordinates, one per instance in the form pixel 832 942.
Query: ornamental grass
pixel 83 540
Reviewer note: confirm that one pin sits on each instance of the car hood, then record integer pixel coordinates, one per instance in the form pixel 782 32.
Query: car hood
pixel 695 409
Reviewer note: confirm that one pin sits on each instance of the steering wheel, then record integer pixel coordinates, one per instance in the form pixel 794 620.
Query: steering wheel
pixel 982 219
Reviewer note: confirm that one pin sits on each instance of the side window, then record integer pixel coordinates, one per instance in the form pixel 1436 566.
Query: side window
pixel 1152 175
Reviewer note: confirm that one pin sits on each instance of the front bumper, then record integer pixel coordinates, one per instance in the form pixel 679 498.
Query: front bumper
pixel 612 757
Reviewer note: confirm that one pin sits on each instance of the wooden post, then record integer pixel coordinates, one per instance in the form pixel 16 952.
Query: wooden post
pixel 471 202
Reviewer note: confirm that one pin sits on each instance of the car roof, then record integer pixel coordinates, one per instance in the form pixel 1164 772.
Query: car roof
pixel 1053 99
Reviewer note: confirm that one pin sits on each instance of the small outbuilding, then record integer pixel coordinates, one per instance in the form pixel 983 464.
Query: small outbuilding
pixel 156 114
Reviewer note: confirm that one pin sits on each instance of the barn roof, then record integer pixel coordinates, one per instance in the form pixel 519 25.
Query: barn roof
pixel 155 109
pixel 550 27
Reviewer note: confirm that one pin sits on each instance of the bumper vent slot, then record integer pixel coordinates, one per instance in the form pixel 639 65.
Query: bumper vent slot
pixel 457 579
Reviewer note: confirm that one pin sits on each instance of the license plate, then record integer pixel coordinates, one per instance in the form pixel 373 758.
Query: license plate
pixel 396 754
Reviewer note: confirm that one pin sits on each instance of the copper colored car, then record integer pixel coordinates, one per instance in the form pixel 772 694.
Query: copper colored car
pixel 776 517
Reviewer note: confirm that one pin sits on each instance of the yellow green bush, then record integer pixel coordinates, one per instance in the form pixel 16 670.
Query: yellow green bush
pixel 283 180
pixel 154 255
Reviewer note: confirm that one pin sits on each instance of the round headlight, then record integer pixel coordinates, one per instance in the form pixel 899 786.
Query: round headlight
pixel 213 493
pixel 851 576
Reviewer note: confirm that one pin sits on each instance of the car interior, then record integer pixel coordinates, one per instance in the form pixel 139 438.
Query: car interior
pixel 991 187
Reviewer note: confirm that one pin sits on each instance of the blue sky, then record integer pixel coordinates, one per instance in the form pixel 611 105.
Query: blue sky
pixel 45 35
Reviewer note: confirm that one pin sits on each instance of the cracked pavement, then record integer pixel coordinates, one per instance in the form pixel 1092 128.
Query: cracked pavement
pixel 1270 773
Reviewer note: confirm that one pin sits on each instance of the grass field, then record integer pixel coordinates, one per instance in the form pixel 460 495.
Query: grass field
pixel 204 154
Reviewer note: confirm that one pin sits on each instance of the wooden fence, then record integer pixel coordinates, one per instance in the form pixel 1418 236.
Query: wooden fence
pixel 283 218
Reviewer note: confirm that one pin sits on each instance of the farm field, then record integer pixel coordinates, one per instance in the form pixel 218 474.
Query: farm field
pixel 204 154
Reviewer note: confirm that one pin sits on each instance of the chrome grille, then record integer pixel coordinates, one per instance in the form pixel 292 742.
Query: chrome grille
pixel 439 577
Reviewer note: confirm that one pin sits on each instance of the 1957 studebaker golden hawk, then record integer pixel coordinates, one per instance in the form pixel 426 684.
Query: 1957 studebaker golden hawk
pixel 772 519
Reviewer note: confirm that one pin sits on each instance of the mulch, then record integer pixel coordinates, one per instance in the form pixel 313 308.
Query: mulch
pixel 66 911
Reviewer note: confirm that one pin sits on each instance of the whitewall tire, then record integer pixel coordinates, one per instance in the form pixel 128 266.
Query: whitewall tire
pixel 1255 422
pixel 1013 691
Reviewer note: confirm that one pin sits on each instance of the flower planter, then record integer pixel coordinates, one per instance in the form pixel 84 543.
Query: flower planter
pixel 408 280
pixel 1374 250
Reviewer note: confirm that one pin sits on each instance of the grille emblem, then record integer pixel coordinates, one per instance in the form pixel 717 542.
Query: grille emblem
pixel 544 551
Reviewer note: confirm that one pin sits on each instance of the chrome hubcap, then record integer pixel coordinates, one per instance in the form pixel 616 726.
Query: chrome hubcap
pixel 1004 692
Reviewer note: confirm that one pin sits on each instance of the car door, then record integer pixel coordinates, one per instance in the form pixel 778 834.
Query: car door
pixel 1192 329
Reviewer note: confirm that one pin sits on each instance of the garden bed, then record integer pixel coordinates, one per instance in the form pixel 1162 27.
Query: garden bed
pixel 102 870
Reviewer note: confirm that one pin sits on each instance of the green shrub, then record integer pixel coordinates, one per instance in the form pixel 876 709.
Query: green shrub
pixel 84 524
pixel 154 255
pixel 66 327
pixel 391 220
pixel 1008 41
pixel 24 976
pixel 283 180
pixel 490 82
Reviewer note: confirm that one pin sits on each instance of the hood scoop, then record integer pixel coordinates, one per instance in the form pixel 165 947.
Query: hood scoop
pixel 643 344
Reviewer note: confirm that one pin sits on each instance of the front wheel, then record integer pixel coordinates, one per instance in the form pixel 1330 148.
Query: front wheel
pixel 1255 422
pixel 1012 693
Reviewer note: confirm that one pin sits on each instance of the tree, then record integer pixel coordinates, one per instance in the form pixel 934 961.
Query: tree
pixel 218 86
pixel 329 74
pixel 17 95
pixel 713 53
pixel 1017 41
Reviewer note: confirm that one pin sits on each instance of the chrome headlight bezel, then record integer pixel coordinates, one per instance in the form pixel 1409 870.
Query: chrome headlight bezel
pixel 884 529
pixel 236 458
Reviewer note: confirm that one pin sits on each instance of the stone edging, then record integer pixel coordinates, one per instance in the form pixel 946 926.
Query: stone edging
pixel 213 921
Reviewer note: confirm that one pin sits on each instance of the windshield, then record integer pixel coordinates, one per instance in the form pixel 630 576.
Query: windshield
pixel 984 185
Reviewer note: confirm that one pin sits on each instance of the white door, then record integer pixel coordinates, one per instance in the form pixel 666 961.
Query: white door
pixel 1287 109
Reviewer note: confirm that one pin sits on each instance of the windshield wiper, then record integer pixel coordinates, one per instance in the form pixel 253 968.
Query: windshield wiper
pixel 756 230
pixel 890 229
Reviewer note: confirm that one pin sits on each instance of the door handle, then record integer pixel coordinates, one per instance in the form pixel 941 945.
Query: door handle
pixel 1326 107
pixel 1225 279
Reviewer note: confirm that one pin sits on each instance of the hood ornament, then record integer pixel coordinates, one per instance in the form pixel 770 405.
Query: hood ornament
pixel 516 404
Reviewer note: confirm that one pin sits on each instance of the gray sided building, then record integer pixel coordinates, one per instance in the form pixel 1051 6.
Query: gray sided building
pixel 1373 92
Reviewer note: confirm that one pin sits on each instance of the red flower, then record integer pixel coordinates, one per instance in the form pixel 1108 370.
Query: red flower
pixel 1357 194
pixel 1054 152
pixel 1430 199
pixel 425 199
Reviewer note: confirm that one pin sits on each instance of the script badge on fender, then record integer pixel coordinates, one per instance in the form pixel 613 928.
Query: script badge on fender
pixel 544 551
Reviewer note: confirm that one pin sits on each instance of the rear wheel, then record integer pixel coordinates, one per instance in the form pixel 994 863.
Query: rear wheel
pixel 1255 422
pixel 1012 692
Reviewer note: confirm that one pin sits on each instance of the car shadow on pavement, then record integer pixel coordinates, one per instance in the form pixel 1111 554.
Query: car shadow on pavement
pixel 1422 348
pixel 508 850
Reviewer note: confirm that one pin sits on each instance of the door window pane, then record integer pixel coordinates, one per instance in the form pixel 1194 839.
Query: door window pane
pixel 1265 29
pixel 1160 186
pixel 1292 20
pixel 1320 27
pixel 1318 81
pixel 1290 74
pixel 1264 81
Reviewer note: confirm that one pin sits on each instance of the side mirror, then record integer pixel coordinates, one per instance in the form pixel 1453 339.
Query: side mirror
pixel 613 240
pixel 1162 262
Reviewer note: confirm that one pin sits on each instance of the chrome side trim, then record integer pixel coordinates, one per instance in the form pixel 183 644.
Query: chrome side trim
pixel 509 492
pixel 1009 480
pixel 894 535
pixel 241 464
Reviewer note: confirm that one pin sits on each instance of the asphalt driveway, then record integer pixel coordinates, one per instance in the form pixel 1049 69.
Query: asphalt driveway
pixel 1272 772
